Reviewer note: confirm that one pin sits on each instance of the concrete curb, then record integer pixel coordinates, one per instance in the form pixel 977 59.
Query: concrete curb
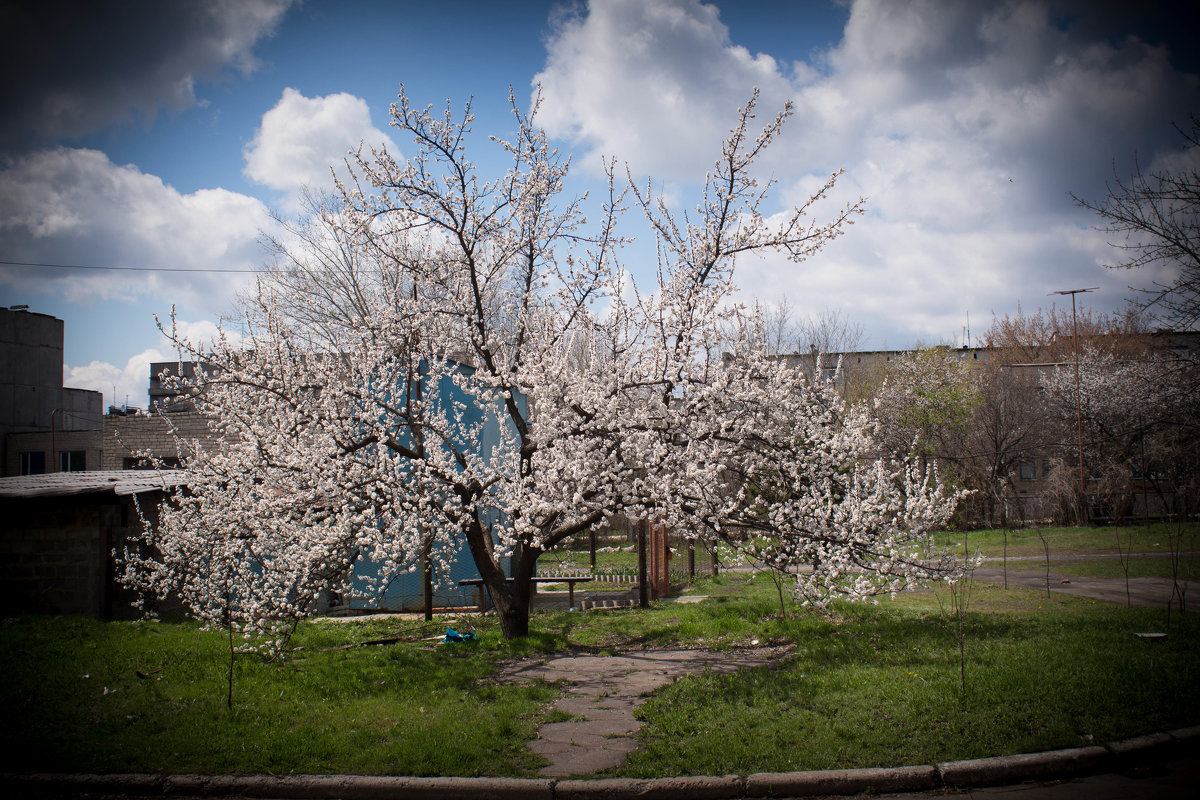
pixel 841 781
pixel 1050 765
pixel 700 788
pixel 1023 767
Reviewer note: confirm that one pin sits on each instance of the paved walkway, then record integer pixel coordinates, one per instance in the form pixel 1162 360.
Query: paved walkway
pixel 1156 592
pixel 1142 591
pixel 602 694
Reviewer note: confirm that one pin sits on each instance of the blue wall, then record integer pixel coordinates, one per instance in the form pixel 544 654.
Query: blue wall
pixel 404 593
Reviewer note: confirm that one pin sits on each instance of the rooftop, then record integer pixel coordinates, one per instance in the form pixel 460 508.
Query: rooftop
pixel 118 481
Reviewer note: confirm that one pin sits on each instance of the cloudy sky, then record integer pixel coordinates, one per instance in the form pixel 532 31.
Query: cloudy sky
pixel 165 138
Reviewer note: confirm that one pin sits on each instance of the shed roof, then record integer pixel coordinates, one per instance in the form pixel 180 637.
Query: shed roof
pixel 117 481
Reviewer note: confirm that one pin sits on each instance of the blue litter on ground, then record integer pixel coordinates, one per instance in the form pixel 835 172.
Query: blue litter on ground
pixel 454 636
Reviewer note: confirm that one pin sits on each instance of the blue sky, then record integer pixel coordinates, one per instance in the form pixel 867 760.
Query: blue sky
pixel 166 135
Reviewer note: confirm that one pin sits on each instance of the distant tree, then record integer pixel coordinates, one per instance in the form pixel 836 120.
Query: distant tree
pixel 1008 428
pixel 1016 424
pixel 926 403
pixel 1141 434
pixel 828 332
pixel 825 333
pixel 1047 336
pixel 1153 218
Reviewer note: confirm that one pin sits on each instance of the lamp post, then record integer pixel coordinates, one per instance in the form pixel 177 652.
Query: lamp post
pixel 1078 397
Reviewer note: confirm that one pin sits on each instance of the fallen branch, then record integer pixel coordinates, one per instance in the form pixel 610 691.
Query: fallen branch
pixel 388 640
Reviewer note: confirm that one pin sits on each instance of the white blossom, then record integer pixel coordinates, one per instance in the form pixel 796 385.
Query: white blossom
pixel 427 369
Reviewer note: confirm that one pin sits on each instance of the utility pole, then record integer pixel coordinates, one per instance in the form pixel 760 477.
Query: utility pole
pixel 1078 396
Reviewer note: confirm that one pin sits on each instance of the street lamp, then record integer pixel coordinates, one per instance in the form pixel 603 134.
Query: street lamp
pixel 1078 404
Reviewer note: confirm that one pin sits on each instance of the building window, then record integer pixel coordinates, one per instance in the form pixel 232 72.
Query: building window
pixel 72 461
pixel 1027 470
pixel 33 463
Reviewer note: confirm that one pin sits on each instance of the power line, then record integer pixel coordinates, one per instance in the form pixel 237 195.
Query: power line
pixel 242 270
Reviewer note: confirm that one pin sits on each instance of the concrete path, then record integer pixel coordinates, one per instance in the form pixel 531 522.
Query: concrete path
pixel 603 692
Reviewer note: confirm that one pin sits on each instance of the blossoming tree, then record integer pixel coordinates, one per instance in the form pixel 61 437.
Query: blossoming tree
pixel 1138 417
pixel 440 361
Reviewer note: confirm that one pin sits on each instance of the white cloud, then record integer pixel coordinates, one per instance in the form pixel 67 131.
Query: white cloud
pixel 120 385
pixel 302 137
pixel 654 83
pixel 966 126
pixel 74 206
pixel 129 384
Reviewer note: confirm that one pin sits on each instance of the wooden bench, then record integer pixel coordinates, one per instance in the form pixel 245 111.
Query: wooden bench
pixel 569 581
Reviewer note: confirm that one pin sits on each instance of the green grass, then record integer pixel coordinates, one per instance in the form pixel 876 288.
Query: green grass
pixel 74 702
pixel 865 686
pixel 879 686
pixel 1189 567
pixel 624 558
pixel 1080 540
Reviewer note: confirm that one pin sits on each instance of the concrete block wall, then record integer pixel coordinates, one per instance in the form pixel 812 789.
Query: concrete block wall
pixel 55 554
pixel 88 441
pixel 125 437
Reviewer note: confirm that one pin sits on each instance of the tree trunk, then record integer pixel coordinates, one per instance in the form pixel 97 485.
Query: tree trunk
pixel 514 619
pixel 427 579
pixel 510 596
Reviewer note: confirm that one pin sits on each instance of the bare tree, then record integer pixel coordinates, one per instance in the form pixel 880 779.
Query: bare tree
pixel 1153 218
pixel 829 331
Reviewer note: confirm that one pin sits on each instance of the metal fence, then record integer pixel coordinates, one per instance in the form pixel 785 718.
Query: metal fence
pixel 611 554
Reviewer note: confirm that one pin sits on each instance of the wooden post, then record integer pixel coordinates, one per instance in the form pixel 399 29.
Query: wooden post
pixel 660 560
pixel 643 576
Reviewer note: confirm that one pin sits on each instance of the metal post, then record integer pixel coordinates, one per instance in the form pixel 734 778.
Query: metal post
pixel 1078 398
pixel 1078 395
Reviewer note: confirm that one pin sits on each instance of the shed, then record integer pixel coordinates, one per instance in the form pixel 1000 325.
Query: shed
pixel 57 536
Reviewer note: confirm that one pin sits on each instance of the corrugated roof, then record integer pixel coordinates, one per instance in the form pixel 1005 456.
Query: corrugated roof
pixel 117 481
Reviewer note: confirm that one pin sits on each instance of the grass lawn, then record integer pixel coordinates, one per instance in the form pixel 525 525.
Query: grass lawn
pixel 880 686
pixel 1189 567
pixel 865 686
pixel 74 702
pixel 1080 540
pixel 608 558
pixel 1069 548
